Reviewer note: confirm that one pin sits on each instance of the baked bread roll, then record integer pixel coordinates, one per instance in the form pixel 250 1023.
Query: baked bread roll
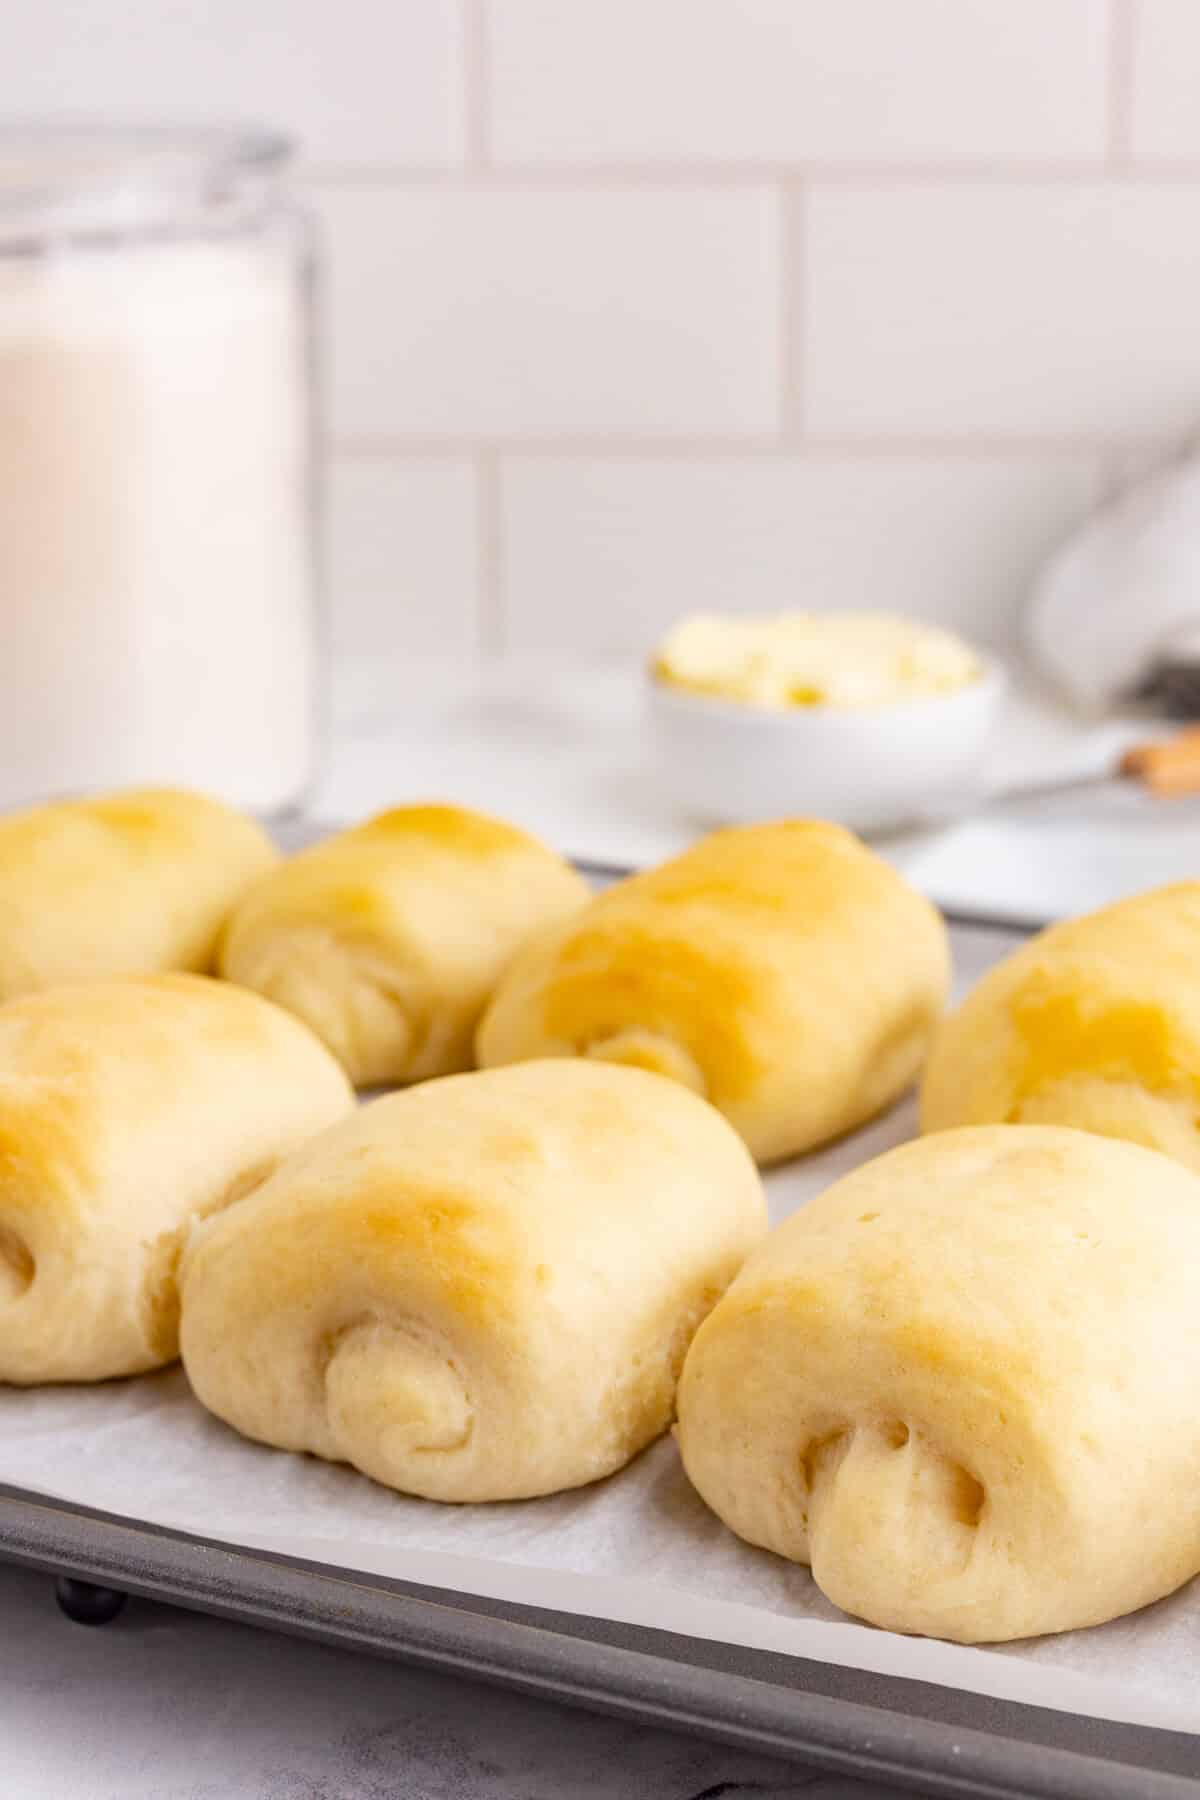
pixel 480 1289
pixel 1094 1023
pixel 127 1109
pixel 962 1385
pixel 124 884
pixel 783 971
pixel 388 939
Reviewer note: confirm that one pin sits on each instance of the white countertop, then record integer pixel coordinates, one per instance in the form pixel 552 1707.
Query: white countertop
pixel 557 745
pixel 170 1705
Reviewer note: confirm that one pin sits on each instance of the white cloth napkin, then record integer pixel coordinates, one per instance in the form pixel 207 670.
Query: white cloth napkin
pixel 1121 591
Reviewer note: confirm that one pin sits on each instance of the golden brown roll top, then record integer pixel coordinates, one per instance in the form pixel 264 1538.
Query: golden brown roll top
pixel 480 1289
pixel 127 1109
pixel 388 939
pixel 783 971
pixel 1094 1023
pixel 962 1384
pixel 129 883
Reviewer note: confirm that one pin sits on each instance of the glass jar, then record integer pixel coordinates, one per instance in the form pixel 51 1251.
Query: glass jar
pixel 157 566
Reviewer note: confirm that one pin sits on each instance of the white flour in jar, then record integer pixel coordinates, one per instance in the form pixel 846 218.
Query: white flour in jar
pixel 155 557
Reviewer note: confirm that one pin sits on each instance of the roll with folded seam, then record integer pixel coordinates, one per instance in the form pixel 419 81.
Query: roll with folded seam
pixel 783 971
pixel 1093 1023
pixel 479 1289
pixel 128 1108
pixel 388 939
pixel 128 883
pixel 962 1384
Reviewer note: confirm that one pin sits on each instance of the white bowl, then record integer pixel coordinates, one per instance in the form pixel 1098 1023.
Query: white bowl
pixel 872 768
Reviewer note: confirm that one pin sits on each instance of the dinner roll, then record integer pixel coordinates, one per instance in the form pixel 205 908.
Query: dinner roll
pixel 480 1289
pixel 783 971
pixel 127 1109
pixel 962 1385
pixel 1094 1023
pixel 388 939
pixel 124 884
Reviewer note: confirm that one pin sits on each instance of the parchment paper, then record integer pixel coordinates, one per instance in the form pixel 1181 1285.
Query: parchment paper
pixel 640 1548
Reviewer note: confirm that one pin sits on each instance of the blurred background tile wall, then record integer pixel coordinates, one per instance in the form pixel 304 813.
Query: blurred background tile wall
pixel 640 305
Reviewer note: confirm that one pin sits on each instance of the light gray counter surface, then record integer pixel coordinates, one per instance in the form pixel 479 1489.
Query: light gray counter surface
pixel 170 1705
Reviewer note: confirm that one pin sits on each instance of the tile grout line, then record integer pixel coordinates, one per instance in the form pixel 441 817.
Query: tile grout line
pixel 1122 50
pixel 487 177
pixel 793 318
pixel 579 446
pixel 1118 104
pixel 491 624
pixel 474 87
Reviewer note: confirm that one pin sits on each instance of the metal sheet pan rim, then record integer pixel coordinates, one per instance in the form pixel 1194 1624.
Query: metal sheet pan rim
pixel 566 1660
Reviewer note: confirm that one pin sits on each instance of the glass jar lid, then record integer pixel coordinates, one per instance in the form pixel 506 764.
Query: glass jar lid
pixel 65 182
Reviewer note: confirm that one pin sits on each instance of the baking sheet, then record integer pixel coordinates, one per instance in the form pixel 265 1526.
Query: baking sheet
pixel 640 1549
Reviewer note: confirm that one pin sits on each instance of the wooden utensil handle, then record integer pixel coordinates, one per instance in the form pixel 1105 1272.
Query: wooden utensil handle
pixel 1169 768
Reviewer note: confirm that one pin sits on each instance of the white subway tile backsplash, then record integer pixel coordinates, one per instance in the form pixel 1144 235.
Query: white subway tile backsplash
pixel 403 560
pixel 603 554
pixel 958 309
pixel 531 311
pixel 787 79
pixel 1166 79
pixel 356 81
pixel 621 229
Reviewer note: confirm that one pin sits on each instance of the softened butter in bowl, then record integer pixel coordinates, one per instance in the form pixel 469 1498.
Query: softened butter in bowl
pixel 870 719
pixel 815 659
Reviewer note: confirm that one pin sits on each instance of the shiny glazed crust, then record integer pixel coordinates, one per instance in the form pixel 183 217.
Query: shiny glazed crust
pixel 783 971
pixel 1094 1023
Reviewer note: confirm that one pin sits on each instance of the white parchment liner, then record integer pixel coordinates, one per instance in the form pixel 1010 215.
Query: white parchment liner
pixel 640 1548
